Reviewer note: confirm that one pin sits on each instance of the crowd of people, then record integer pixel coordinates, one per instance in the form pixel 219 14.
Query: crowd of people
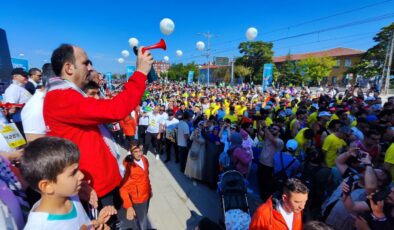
pixel 322 159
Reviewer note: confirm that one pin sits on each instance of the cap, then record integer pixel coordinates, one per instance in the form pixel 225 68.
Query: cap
pixel 345 130
pixel 372 118
pixel 324 114
pixel 19 71
pixel 291 145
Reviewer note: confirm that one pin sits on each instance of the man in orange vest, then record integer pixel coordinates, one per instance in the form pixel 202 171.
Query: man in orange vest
pixel 284 213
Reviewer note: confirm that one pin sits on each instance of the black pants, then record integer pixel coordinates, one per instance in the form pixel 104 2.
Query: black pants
pixel 265 177
pixel 169 145
pixel 142 133
pixel 150 143
pixel 141 210
pixel 183 151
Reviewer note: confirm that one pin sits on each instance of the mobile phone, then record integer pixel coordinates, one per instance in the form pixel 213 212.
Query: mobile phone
pixel 360 154
pixel 381 195
pixel 349 183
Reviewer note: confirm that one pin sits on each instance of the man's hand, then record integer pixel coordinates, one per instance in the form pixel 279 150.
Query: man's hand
pixel 130 213
pixel 360 223
pixel 106 213
pixel 144 61
pixel 87 193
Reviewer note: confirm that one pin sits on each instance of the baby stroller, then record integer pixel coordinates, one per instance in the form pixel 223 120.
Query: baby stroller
pixel 232 190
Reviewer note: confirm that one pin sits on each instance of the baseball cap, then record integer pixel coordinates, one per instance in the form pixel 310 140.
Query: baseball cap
pixel 19 71
pixel 291 145
pixel 324 114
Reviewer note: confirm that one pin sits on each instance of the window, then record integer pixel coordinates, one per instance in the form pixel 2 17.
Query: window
pixel 348 62
pixel 337 63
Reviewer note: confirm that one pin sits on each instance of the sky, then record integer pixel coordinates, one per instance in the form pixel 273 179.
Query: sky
pixel 35 28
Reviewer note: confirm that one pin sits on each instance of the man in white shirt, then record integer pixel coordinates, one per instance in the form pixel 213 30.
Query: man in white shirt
pixel 182 137
pixel 170 126
pixel 17 94
pixel 152 132
pixel 35 76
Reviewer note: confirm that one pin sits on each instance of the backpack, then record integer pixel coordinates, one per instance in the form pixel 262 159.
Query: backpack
pixel 281 177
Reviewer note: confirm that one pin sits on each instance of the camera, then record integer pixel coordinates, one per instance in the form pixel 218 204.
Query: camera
pixel 360 154
pixel 349 183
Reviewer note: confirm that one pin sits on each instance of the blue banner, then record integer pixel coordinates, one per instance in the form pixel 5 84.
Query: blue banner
pixel 20 63
pixel 267 75
pixel 129 71
pixel 108 77
pixel 190 77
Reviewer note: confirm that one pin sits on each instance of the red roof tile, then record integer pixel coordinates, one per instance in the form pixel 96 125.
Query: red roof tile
pixel 336 52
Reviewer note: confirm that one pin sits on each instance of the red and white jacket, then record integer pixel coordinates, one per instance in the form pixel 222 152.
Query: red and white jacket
pixel 69 114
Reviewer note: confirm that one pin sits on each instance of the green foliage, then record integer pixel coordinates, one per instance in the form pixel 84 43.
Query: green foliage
pixel 314 69
pixel 288 73
pixel 241 71
pixel 372 61
pixel 179 72
pixel 222 74
pixel 255 55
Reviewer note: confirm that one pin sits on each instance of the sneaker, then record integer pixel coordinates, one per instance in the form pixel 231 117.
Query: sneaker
pixel 157 157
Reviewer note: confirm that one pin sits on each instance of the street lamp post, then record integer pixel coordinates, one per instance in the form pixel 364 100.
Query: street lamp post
pixel 208 54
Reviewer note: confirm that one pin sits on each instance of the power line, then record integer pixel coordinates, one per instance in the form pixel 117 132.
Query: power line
pixel 350 24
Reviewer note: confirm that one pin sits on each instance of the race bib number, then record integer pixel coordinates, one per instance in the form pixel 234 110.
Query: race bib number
pixel 12 135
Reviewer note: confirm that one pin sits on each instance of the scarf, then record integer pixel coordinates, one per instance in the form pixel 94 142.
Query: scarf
pixel 58 83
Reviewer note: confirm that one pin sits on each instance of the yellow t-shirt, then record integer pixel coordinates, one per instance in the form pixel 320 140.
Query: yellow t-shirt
pixel 389 158
pixel 312 118
pixel 301 140
pixel 332 146
pixel 233 118
pixel 268 121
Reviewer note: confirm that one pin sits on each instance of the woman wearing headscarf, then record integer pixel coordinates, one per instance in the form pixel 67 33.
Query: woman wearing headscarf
pixel 195 160
pixel 214 148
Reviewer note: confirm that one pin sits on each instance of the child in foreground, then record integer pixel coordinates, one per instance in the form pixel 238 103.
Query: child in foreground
pixel 50 165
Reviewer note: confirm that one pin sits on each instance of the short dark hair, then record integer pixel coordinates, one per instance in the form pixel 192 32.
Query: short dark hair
pixel 91 85
pixel 64 53
pixel 33 70
pixel 295 185
pixel 47 157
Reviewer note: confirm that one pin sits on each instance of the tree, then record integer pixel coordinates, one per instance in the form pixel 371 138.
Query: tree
pixel 241 71
pixel 289 72
pixel 372 61
pixel 314 68
pixel 255 55
pixel 179 72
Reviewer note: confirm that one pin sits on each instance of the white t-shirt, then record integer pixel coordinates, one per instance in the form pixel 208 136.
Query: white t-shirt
pixel 183 129
pixel 287 216
pixel 140 163
pixel 32 114
pixel 154 123
pixel 72 220
pixel 143 121
pixel 15 93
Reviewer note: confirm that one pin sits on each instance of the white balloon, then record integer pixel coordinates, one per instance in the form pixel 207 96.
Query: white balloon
pixel 121 60
pixel 166 58
pixel 200 45
pixel 167 26
pixel 133 42
pixel 251 34
pixel 125 53
pixel 179 53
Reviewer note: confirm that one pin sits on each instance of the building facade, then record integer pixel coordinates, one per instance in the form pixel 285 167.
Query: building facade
pixel 345 58
pixel 161 67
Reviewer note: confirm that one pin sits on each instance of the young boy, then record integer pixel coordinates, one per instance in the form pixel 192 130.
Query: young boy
pixel 50 165
pixel 135 189
pixel 92 89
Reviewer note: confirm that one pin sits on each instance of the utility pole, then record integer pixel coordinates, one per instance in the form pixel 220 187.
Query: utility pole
pixel 208 54
pixel 232 71
pixel 389 64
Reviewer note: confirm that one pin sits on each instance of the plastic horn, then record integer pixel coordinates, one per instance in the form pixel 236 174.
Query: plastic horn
pixel 10 105
pixel 160 45
pixel 152 76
